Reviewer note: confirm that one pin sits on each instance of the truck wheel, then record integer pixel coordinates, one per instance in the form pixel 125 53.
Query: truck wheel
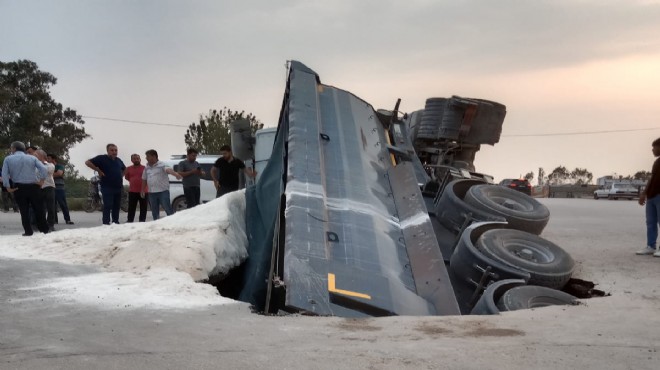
pixel 595 196
pixel 529 296
pixel 521 211
pixel 451 210
pixel 179 204
pixel 547 264
pixel 487 303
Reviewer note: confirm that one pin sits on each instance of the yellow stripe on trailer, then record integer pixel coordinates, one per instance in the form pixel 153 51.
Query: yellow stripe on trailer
pixel 333 289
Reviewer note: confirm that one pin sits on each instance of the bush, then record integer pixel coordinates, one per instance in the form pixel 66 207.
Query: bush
pixel 75 204
pixel 76 188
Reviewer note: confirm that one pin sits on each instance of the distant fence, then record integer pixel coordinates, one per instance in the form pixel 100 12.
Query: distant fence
pixel 564 191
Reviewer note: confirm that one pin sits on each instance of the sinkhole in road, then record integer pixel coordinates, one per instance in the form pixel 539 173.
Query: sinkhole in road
pixel 583 289
pixel 231 284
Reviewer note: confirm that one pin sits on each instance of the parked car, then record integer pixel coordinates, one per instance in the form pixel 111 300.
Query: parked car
pixel 207 190
pixel 617 190
pixel 521 185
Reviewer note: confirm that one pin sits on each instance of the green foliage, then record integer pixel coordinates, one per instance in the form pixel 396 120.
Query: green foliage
pixel 642 175
pixel 581 176
pixel 212 131
pixel 529 176
pixel 559 176
pixel 76 188
pixel 541 177
pixel 562 176
pixel 29 114
pixel 76 204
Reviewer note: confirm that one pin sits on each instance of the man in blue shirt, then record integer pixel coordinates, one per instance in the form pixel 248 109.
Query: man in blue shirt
pixel 27 174
pixel 111 171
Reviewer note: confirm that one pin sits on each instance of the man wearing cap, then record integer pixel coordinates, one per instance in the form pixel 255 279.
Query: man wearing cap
pixel 27 174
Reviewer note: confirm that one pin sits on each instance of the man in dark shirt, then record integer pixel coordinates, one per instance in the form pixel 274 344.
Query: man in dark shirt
pixel 60 192
pixel 192 173
pixel 111 171
pixel 651 198
pixel 225 172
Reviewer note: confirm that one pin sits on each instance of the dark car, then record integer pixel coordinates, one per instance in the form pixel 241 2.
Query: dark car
pixel 521 185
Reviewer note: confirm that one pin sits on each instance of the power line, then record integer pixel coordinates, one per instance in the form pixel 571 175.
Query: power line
pixel 584 132
pixel 133 121
pixel 514 135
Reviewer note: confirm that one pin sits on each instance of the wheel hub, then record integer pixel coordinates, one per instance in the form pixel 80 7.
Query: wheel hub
pixel 526 254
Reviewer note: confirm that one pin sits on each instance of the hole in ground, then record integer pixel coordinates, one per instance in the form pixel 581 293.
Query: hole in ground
pixel 583 289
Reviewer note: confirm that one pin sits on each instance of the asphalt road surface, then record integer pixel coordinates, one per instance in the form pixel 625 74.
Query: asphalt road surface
pixel 10 222
pixel 617 332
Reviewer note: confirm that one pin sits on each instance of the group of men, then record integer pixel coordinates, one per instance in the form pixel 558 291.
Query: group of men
pixel 150 183
pixel 36 182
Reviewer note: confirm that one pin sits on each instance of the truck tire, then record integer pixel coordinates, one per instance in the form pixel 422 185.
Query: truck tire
pixel 451 210
pixel 521 211
pixel 429 125
pixel 487 303
pixel 547 264
pixel 529 296
pixel 468 263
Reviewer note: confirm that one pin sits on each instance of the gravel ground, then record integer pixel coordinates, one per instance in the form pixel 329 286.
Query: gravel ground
pixel 615 332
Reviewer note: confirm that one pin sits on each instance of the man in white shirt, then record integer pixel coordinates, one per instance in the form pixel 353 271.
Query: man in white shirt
pixel 23 175
pixel 48 189
pixel 155 178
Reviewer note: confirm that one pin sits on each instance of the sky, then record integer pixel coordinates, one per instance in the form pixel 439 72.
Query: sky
pixel 589 68
pixel 152 264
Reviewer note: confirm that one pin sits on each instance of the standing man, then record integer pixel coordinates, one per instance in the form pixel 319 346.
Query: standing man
pixel 134 177
pixel 155 177
pixel 27 175
pixel 111 171
pixel 60 192
pixel 651 198
pixel 48 189
pixel 191 172
pixel 225 172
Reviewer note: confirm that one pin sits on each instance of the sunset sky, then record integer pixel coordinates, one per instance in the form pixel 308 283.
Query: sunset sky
pixel 587 68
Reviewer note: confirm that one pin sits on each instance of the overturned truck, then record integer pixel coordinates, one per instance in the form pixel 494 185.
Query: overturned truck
pixel 371 213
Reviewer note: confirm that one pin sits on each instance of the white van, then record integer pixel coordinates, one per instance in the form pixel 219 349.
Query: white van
pixel 617 190
pixel 207 189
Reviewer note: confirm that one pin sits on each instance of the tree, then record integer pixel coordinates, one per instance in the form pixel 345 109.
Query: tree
pixel 581 176
pixel 559 176
pixel 541 177
pixel 29 114
pixel 642 175
pixel 529 176
pixel 212 131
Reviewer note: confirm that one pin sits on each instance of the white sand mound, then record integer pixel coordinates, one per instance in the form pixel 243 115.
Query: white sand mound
pixel 156 263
